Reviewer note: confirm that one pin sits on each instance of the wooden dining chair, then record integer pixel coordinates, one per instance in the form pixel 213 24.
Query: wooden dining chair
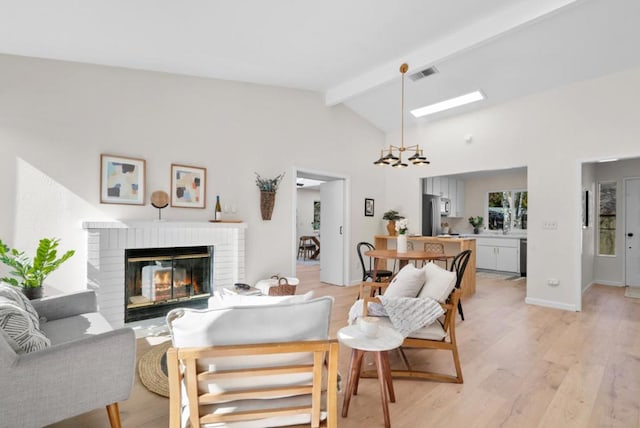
pixel 368 268
pixel 306 247
pixel 437 248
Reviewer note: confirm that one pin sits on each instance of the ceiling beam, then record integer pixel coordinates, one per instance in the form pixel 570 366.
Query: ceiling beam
pixel 430 54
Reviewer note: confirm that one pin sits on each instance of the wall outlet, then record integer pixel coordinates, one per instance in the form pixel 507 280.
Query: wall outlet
pixel 550 224
pixel 553 282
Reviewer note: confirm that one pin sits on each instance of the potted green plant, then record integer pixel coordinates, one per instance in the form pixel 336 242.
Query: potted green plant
pixel 392 216
pixel 31 273
pixel 476 222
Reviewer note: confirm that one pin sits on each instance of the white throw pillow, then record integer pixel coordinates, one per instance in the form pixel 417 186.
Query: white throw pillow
pixel 406 283
pixel 220 300
pixel 439 283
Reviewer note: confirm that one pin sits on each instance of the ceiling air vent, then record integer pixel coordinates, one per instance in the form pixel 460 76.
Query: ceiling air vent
pixel 423 73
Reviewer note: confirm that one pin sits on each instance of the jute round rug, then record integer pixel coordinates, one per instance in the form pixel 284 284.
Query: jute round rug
pixel 152 369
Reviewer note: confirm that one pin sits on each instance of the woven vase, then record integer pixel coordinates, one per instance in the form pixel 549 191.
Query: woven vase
pixel 267 201
pixel 391 228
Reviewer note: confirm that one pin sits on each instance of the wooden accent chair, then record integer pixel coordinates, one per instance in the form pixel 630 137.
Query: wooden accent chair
pixel 439 335
pixel 273 365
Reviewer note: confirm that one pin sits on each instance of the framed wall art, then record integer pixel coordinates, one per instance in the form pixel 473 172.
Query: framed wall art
pixel 369 207
pixel 188 186
pixel 122 180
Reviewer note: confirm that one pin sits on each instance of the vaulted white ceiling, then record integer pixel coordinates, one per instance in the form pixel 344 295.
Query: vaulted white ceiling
pixel 348 50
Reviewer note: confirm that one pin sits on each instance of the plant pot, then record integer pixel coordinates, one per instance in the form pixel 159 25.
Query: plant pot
pixel 267 201
pixel 391 228
pixel 476 230
pixel 32 292
pixel 401 244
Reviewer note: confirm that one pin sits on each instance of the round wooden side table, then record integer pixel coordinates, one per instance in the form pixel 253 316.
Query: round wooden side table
pixel 384 341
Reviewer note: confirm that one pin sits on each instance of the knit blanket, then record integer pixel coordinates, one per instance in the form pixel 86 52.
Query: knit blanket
pixel 407 314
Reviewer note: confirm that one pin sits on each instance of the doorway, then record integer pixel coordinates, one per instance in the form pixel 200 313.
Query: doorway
pixel 632 232
pixel 331 228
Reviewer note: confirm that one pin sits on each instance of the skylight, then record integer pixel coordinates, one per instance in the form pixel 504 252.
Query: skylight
pixel 448 104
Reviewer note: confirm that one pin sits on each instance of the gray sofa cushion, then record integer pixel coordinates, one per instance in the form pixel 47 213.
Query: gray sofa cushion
pixel 19 329
pixel 76 327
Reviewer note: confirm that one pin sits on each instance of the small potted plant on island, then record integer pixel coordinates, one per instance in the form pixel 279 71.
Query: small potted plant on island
pixel 392 216
pixel 32 272
pixel 476 222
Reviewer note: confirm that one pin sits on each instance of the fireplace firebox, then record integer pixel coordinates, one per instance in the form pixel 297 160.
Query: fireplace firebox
pixel 160 279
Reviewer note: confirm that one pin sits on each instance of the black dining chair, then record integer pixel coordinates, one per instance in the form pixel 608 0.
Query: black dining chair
pixel 368 268
pixel 458 265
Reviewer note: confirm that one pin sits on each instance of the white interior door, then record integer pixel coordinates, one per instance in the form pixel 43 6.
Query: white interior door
pixel 332 232
pixel 632 232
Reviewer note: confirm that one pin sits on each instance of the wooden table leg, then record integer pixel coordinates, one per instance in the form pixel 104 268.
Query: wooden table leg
pixel 382 380
pixel 352 380
pixel 387 376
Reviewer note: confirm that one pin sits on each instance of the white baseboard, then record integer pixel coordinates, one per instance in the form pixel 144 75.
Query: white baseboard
pixel 587 287
pixel 550 304
pixel 611 283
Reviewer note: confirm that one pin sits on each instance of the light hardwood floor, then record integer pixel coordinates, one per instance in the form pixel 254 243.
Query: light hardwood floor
pixel 523 366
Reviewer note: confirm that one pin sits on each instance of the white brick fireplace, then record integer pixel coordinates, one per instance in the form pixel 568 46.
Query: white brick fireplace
pixel 107 242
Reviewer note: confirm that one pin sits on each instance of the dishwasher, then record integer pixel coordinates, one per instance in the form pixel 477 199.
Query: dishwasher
pixel 523 257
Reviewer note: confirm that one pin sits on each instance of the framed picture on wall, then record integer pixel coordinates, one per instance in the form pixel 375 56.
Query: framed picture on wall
pixel 188 186
pixel 122 180
pixel 369 207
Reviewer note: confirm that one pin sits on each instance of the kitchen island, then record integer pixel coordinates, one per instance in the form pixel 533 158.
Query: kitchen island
pixel 452 246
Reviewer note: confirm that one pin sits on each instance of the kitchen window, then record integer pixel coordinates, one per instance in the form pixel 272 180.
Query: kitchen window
pixel 607 199
pixel 507 210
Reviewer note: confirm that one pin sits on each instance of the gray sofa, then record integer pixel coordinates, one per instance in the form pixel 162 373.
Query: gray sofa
pixel 88 365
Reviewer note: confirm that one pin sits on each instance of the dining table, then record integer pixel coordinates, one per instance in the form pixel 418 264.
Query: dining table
pixel 403 258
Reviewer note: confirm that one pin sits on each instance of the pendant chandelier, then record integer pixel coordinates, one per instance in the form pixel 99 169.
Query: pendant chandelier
pixel 393 155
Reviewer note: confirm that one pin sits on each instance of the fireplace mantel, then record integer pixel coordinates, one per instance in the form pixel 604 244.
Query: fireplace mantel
pixel 107 241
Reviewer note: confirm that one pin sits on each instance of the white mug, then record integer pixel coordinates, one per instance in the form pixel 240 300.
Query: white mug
pixel 369 326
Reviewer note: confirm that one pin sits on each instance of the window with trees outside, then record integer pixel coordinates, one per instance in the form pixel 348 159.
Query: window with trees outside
pixel 507 210
pixel 607 218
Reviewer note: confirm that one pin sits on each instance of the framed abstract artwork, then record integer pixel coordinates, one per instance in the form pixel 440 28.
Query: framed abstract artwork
pixel 122 180
pixel 369 207
pixel 188 186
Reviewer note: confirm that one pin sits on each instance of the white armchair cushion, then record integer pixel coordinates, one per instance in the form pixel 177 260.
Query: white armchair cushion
pixel 18 328
pixel 407 283
pixel 439 283
pixel 220 300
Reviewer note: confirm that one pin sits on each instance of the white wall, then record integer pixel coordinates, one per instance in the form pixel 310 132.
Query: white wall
pixel 610 269
pixel 551 134
pixel 589 232
pixel 56 118
pixel 306 198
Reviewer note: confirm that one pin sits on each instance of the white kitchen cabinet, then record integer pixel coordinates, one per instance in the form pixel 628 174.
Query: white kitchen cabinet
pixel 444 187
pixel 449 188
pixel 452 195
pixel 459 198
pixel 435 187
pixel 498 254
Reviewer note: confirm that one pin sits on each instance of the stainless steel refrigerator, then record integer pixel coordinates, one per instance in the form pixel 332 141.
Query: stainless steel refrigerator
pixel 430 215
